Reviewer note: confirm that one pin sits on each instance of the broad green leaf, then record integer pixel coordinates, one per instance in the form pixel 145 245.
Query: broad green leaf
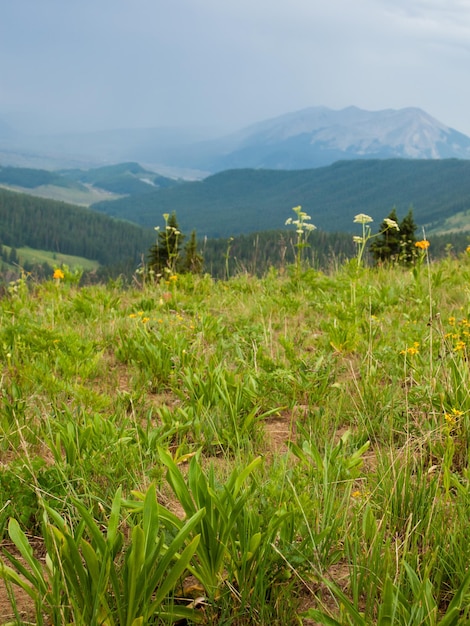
pixel 174 574
pixel 113 522
pixel 135 563
pixel 21 542
pixel 7 573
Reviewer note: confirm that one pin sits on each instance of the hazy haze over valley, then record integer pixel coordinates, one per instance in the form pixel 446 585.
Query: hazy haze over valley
pixel 99 66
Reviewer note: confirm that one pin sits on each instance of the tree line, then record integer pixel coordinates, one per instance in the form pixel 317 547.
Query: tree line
pixel 51 225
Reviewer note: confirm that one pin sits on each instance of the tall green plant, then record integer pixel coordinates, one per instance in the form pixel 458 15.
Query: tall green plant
pixel 94 578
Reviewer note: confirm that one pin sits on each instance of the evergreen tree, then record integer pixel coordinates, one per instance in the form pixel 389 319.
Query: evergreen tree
pixel 408 239
pixel 387 247
pixel 192 262
pixel 13 257
pixel 396 246
pixel 164 255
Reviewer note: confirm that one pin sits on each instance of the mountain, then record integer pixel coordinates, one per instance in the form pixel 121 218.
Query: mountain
pixel 319 136
pixel 313 137
pixel 248 200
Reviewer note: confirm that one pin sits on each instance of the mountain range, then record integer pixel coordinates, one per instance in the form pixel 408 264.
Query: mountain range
pixel 313 137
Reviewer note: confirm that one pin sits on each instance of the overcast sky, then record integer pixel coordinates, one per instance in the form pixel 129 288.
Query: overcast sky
pixel 100 64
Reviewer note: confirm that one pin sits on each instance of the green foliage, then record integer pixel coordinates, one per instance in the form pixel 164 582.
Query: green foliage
pixel 305 438
pixel 396 246
pixel 242 201
pixel 91 578
pixel 164 255
pixel 51 225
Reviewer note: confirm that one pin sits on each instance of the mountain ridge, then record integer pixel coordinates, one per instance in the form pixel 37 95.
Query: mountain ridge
pixel 239 201
pixel 312 137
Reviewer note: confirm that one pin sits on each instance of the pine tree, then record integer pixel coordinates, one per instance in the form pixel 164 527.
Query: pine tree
pixel 192 262
pixel 396 246
pixel 164 255
pixel 387 247
pixel 408 239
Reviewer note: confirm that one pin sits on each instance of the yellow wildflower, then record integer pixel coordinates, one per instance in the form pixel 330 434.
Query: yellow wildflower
pixel 423 244
pixel 58 274
pixel 412 350
pixel 460 345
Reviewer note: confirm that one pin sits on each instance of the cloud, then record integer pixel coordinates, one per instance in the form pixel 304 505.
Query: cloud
pixel 187 62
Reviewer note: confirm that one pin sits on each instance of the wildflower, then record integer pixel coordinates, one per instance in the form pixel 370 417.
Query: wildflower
pixel 459 346
pixel 356 494
pixel 358 239
pixel 391 223
pixel 412 350
pixel 58 274
pixel 451 418
pixel 145 320
pixel 423 244
pixel 362 218
pixel 173 278
pixel 132 315
pixel 451 320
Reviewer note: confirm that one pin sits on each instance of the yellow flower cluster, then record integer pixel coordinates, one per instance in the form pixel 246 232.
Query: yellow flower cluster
pixel 412 350
pixel 141 315
pixel 451 418
pixel 460 333
pixel 423 244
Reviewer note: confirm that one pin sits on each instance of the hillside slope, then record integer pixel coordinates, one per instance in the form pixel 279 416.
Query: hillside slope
pixel 60 227
pixel 243 201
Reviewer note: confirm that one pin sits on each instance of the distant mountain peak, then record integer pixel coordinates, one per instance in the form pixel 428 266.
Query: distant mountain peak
pixel 318 136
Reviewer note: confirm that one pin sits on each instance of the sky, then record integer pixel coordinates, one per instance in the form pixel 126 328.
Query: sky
pixel 86 65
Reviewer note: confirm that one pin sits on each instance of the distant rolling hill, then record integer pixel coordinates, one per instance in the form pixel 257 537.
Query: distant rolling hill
pixel 85 187
pixel 243 201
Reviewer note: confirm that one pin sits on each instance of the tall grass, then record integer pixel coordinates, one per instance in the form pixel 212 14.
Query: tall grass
pixel 250 451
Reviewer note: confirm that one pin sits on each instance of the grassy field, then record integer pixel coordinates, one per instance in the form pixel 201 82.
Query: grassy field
pixel 285 450
pixel 81 197
pixel 54 259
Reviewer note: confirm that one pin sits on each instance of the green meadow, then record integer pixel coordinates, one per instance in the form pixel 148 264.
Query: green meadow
pixel 32 256
pixel 291 449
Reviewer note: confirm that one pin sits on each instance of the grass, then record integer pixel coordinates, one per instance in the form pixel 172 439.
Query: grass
pixel 288 449
pixel 36 257
pixel 72 195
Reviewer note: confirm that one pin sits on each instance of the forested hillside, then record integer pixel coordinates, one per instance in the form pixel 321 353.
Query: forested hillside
pixel 244 201
pixel 60 227
pixel 123 178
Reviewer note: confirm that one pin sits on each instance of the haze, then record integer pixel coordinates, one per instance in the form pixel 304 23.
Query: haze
pixel 219 66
